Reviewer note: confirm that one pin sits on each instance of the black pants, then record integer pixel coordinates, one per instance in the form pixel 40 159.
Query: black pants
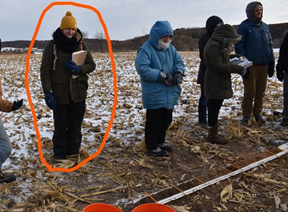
pixel 157 123
pixel 214 106
pixel 67 129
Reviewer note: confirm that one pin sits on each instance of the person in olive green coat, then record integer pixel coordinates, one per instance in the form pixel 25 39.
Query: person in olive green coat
pixel 65 94
pixel 218 75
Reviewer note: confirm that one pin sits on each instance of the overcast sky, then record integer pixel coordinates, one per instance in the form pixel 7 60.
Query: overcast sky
pixel 126 19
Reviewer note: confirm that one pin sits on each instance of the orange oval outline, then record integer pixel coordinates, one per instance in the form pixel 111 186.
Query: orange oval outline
pixel 28 90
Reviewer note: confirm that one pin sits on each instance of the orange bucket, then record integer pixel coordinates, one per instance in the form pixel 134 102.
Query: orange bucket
pixel 153 207
pixel 101 207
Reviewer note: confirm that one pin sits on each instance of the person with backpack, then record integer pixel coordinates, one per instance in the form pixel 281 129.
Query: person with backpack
pixel 161 70
pixel 5 143
pixel 65 94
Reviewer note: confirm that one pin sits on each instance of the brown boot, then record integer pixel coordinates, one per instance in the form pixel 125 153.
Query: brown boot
pixel 213 136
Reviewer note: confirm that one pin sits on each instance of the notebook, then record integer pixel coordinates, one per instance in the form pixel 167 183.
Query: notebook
pixel 243 62
pixel 79 58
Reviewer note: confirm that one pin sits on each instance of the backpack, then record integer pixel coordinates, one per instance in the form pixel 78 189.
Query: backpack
pixel 55 52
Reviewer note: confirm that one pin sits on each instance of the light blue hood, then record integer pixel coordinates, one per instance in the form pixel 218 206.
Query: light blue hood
pixel 158 30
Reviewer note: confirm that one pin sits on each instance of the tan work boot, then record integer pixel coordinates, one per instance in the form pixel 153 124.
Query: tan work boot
pixel 213 136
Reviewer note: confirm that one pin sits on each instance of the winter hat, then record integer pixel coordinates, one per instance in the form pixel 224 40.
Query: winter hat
pixel 68 22
pixel 250 11
pixel 158 30
pixel 212 22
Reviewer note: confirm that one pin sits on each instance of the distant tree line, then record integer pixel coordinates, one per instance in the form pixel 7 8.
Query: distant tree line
pixel 184 39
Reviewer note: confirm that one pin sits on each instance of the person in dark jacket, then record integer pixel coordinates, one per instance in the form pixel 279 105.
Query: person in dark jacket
pixel 282 74
pixel 217 55
pixel 161 70
pixel 211 24
pixel 65 86
pixel 257 46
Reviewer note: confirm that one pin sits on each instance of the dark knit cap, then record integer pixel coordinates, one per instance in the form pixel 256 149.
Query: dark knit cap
pixel 250 11
pixel 212 22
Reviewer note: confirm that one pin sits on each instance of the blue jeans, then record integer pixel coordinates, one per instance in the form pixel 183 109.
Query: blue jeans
pixel 5 145
pixel 202 113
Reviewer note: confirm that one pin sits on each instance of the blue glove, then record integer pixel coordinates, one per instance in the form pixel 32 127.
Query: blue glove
pixel 178 77
pixel 50 100
pixel 17 104
pixel 72 67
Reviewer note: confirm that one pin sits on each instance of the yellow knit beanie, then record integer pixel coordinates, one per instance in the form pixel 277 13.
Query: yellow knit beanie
pixel 68 22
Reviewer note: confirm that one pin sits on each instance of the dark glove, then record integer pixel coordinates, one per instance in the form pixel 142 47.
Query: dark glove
pixel 17 104
pixel 72 67
pixel 243 71
pixel 166 78
pixel 271 69
pixel 50 100
pixel 280 75
pixel 246 75
pixel 178 77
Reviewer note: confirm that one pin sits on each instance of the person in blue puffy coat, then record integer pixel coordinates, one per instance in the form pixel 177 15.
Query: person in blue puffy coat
pixel 257 46
pixel 161 70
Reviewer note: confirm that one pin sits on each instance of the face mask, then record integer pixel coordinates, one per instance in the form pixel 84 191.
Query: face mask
pixel 162 45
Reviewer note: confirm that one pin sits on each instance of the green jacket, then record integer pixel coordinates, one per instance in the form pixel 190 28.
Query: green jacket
pixel 217 83
pixel 64 88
